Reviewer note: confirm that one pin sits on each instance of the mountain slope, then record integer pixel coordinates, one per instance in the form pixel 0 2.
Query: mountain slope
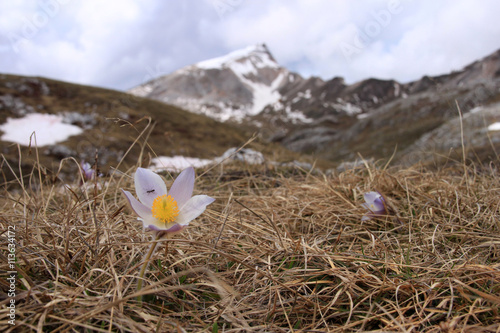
pixel 231 87
pixel 111 121
pixel 330 119
pixel 407 113
pixel 249 85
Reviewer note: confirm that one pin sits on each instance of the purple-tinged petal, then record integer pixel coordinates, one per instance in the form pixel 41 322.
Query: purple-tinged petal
pixel 375 203
pixel 378 206
pixel 151 223
pixel 172 231
pixel 88 172
pixel 374 208
pixel 182 188
pixel 152 227
pixel 141 210
pixel 171 228
pixel 366 206
pixel 193 208
pixel 175 229
pixel 371 196
pixel 154 224
pixel 148 186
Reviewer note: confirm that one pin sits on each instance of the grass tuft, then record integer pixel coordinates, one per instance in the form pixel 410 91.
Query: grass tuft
pixel 280 250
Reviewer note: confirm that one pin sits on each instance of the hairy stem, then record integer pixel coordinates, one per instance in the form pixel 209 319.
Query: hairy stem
pixel 145 265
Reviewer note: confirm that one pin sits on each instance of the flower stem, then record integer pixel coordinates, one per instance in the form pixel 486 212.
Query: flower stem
pixel 145 265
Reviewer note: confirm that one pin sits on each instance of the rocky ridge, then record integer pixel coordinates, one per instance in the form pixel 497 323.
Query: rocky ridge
pixel 231 87
pixel 329 118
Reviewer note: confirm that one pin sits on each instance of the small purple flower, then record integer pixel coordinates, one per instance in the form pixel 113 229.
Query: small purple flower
pixel 375 203
pixel 87 170
pixel 162 213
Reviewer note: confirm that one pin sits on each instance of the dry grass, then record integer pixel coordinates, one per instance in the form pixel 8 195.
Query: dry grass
pixel 279 251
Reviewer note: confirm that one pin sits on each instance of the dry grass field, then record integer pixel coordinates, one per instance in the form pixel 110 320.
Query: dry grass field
pixel 280 250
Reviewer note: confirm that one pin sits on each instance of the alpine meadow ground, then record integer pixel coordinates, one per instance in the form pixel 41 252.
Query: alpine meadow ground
pixel 280 250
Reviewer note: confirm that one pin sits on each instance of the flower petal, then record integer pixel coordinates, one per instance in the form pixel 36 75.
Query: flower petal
pixel 161 229
pixel 152 223
pixel 371 196
pixel 141 210
pixel 378 206
pixel 172 229
pixel 366 205
pixel 182 188
pixel 148 186
pixel 193 208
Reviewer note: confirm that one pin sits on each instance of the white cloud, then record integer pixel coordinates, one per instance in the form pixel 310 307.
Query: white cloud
pixel 120 44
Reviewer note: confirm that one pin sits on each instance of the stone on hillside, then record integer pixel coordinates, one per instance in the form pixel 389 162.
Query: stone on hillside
pixel 246 155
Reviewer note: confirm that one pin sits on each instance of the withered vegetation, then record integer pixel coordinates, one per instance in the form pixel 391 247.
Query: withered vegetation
pixel 281 250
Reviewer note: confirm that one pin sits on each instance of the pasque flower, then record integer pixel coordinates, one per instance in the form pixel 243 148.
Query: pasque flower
pixel 87 170
pixel 375 203
pixel 164 213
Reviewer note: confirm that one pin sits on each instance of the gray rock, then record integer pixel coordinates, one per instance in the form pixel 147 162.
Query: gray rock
pixel 246 155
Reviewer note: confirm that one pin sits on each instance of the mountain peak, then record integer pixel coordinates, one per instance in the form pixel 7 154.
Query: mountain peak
pixel 233 86
pixel 257 56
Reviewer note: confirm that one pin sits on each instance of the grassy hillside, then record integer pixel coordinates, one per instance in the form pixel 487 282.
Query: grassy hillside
pixel 115 120
pixel 401 123
pixel 397 125
pixel 280 250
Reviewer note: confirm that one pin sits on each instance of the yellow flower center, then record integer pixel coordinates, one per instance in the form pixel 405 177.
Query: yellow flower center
pixel 165 208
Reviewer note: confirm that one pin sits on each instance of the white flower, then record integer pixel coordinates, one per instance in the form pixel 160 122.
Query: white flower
pixel 162 213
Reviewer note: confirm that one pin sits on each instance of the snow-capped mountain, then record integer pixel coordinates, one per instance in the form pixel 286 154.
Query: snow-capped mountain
pixel 333 120
pixel 249 84
pixel 330 118
pixel 230 87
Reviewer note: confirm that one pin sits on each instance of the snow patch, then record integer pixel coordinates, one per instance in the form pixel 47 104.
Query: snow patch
pixel 476 109
pixel 177 163
pixel 231 58
pixel 494 127
pixel 297 116
pixel 264 95
pixel 348 108
pixel 243 68
pixel 49 129
pixel 142 90
pixel 302 95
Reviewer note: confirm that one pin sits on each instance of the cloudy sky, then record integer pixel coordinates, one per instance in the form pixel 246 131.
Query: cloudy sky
pixel 121 43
